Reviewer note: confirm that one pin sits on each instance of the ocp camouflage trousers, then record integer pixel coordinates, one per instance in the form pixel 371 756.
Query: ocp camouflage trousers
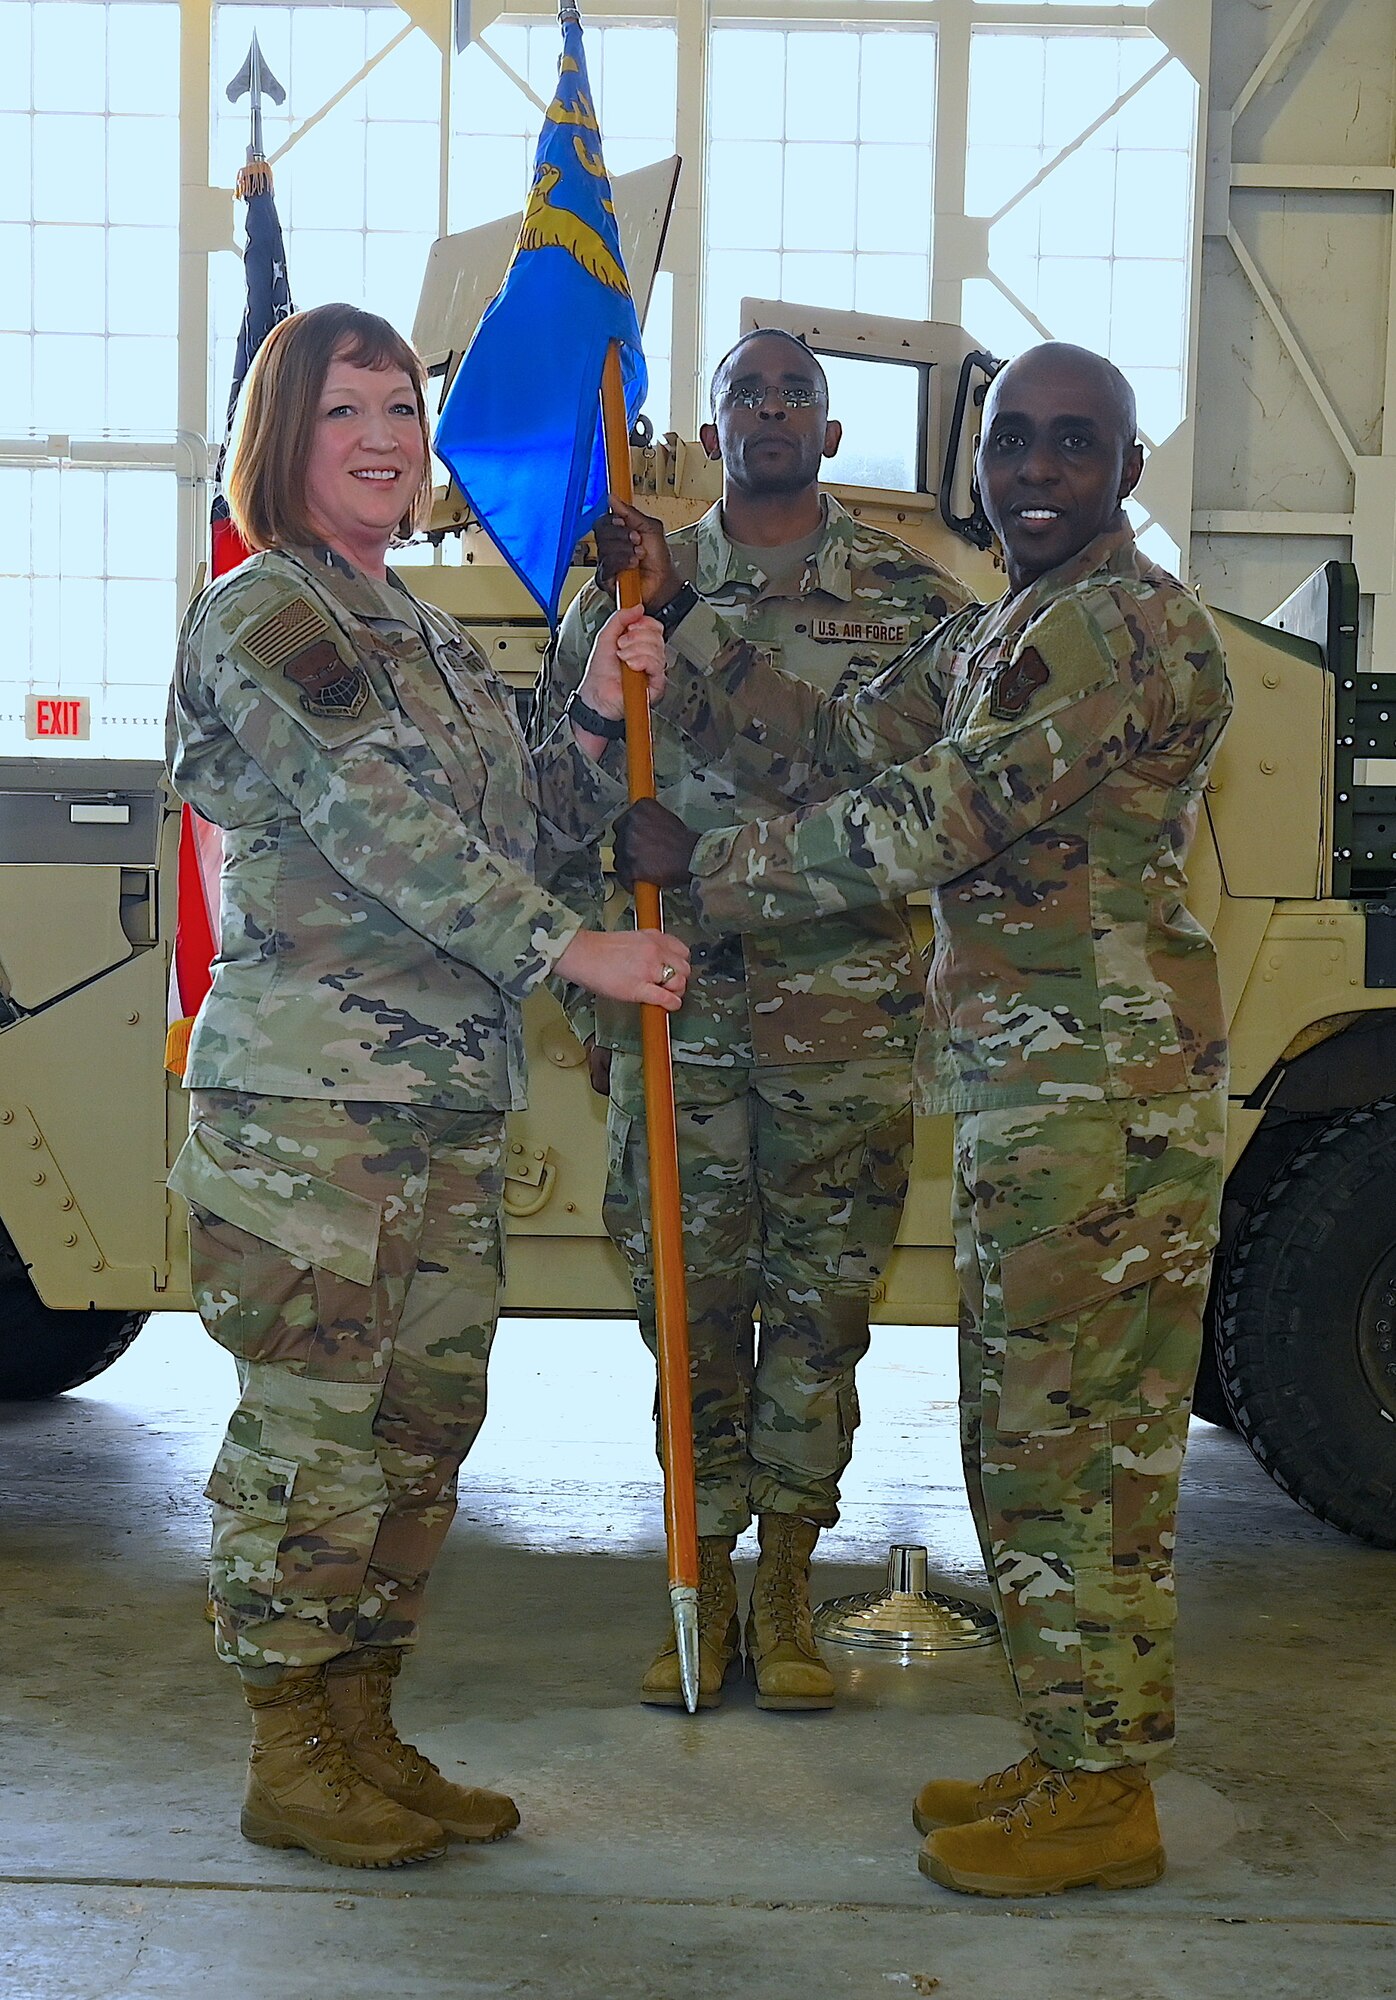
pixel 348 1257
pixel 1084 1236
pixel 793 1181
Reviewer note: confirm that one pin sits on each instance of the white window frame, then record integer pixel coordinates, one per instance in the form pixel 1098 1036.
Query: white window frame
pixel 958 250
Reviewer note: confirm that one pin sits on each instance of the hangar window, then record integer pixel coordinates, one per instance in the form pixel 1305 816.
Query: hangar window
pixel 91 470
pixel 89 194
pixel 1087 192
pixel 819 172
pixel 1064 132
pixel 1089 204
pixel 358 193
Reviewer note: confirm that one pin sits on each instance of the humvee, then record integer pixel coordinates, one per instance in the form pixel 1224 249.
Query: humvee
pixel 1293 871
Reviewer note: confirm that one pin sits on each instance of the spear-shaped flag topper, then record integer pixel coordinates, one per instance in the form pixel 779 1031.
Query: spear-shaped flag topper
pixel 264 265
pixel 251 80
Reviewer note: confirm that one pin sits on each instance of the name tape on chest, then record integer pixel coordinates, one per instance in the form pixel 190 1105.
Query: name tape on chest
pixel 861 631
pixel 296 639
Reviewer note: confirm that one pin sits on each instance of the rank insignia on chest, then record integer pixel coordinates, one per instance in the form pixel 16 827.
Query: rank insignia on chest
pixel 296 639
pixel 1015 683
pixel 861 631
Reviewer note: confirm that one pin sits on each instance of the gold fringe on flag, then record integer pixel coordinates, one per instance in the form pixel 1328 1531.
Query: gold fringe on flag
pixel 177 1045
pixel 254 178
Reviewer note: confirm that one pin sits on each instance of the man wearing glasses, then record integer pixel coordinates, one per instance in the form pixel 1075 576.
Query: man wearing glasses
pixel 793 1049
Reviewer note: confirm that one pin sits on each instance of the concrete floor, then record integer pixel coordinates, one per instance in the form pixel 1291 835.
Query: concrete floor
pixel 737 1854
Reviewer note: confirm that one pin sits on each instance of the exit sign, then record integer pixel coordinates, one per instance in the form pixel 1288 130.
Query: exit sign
pixel 53 718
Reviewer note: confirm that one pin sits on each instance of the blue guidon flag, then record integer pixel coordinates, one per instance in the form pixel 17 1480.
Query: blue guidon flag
pixel 521 430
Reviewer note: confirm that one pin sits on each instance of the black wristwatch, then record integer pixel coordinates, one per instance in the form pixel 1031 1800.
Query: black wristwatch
pixel 672 614
pixel 586 717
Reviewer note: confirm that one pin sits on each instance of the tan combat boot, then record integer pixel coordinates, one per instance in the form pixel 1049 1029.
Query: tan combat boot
pixel 779 1637
pixel 1074 1830
pixel 302 1790
pixel 359 1689
pixel 960 1801
pixel 719 1632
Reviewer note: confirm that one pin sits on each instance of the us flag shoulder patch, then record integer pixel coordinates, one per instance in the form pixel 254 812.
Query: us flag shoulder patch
pixel 273 639
pixel 296 639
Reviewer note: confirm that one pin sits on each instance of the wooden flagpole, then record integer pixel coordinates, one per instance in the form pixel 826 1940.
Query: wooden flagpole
pixel 666 1215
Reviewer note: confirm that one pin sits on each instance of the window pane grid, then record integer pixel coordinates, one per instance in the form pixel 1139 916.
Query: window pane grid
pixel 820 166
pixel 1099 252
pixel 357 194
pixel 87 596
pixel 89 193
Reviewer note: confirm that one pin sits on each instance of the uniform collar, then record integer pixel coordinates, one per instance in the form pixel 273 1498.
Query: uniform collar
pixel 1114 553
pixel 828 569
pixel 363 599
pixel 348 586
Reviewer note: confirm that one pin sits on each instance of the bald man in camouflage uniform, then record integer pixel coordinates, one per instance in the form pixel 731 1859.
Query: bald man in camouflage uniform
pixel 1049 755
pixel 792 1054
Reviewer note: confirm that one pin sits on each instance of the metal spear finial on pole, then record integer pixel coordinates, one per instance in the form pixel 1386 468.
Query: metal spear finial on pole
pixel 252 79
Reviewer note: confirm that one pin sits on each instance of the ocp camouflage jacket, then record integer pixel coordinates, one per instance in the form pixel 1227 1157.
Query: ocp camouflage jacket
pixel 847 986
pixel 1047 760
pixel 381 921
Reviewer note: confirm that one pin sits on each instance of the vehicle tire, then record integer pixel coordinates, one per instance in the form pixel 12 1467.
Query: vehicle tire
pixel 1209 1397
pixel 1307 1325
pixel 43 1351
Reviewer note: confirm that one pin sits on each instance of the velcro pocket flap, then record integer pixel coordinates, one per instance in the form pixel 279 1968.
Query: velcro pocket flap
pixel 252 1483
pixel 329 1227
pixel 1168 1231
pixel 1062 657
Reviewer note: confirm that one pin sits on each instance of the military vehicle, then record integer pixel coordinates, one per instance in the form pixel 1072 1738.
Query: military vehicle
pixel 1294 872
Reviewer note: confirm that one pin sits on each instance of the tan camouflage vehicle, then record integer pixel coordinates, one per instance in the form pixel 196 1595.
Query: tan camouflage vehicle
pixel 1292 872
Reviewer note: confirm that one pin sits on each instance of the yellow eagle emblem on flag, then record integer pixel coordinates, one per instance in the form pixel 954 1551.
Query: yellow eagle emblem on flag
pixel 546 227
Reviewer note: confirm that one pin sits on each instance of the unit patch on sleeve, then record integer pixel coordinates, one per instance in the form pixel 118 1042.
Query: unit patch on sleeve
pixel 1016 682
pixel 861 631
pixel 329 684
pixel 296 639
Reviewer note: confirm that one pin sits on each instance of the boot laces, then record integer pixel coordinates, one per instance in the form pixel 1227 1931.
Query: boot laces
pixel 1056 1785
pixel 714 1577
pixel 327 1756
pixel 409 1762
pixel 1014 1775
pixel 784 1603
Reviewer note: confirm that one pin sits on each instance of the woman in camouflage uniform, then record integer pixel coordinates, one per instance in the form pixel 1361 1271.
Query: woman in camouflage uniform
pixel 350 1072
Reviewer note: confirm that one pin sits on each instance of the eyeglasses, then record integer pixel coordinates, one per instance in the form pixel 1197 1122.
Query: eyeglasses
pixel 794 399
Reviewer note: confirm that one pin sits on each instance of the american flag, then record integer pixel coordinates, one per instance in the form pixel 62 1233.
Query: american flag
pixel 201 845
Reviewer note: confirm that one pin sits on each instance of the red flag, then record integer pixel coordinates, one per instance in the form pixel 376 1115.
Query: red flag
pixel 201 845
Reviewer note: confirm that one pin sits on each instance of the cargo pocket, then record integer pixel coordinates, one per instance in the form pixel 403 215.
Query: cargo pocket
pixel 1086 1305
pixel 251 1494
pixel 623 1207
pixel 850 1416
pixel 320 1224
pixel 879 1195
